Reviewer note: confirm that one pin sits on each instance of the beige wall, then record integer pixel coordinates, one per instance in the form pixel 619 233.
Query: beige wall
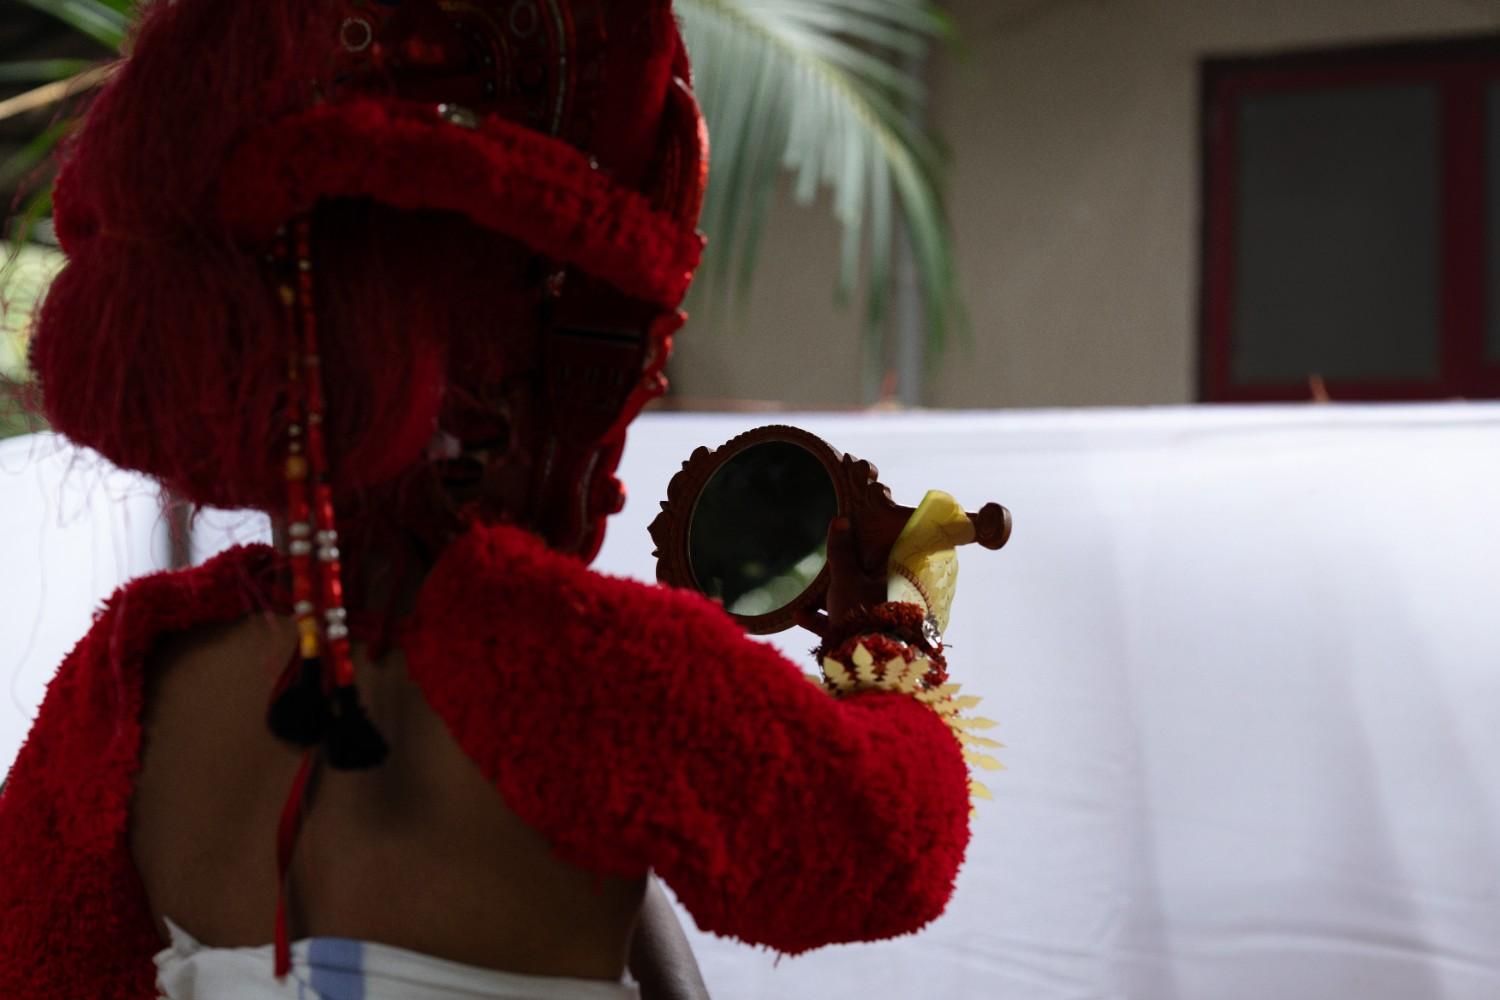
pixel 794 346
pixel 1074 129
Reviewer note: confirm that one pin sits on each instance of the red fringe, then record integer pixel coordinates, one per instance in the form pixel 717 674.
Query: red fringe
pixel 531 188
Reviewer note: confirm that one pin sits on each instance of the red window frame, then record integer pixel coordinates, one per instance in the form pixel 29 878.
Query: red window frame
pixel 1461 72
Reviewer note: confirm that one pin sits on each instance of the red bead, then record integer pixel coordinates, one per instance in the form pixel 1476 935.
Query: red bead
pixel 343 663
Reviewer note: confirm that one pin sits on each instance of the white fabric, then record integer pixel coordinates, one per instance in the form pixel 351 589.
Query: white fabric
pixel 72 528
pixel 336 969
pixel 1247 663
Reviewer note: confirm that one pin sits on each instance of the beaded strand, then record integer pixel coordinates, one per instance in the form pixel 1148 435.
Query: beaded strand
pixel 325 534
pixel 316 703
pixel 299 511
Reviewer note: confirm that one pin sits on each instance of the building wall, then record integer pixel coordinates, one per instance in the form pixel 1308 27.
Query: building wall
pixel 1074 126
pixel 793 345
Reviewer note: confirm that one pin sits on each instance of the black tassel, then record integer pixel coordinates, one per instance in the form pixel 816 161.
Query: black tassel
pixel 300 714
pixel 353 743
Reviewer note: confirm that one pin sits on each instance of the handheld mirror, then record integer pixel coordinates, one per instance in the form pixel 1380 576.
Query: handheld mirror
pixel 747 523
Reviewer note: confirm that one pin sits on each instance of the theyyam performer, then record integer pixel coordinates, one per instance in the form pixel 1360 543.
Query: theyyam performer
pixel 399 273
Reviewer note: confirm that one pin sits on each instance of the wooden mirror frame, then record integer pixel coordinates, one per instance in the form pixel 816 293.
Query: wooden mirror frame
pixel 876 519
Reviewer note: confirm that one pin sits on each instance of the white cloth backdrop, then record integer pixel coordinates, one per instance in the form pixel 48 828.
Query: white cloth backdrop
pixel 72 528
pixel 1246 662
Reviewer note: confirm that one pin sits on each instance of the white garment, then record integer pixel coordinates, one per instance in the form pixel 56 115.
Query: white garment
pixel 340 969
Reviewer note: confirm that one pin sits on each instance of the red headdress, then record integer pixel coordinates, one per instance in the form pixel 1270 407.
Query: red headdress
pixel 567 126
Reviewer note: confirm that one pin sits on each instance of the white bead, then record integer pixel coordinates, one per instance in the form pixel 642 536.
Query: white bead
pixel 327 537
pixel 328 554
pixel 456 114
pixel 300 548
pixel 302 608
pixel 299 529
pixel 338 632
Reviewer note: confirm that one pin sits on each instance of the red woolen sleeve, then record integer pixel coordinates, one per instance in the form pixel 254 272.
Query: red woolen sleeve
pixel 638 727
pixel 74 919
pixel 73 922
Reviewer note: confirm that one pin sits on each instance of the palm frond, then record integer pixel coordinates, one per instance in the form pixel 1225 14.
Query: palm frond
pixel 41 70
pixel 823 89
pixel 30 156
pixel 105 21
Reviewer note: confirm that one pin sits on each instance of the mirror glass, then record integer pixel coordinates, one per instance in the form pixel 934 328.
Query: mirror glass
pixel 759 531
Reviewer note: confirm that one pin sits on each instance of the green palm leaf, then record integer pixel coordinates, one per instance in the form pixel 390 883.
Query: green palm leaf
pixel 105 21
pixel 821 88
pixel 41 70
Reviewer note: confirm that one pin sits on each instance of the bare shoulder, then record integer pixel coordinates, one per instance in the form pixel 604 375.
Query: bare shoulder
pixel 421 853
pixel 211 778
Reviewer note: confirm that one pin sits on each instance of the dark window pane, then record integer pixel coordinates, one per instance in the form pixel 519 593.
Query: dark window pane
pixel 1337 246
pixel 1492 191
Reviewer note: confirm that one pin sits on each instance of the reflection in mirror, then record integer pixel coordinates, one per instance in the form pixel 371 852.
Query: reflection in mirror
pixel 759 532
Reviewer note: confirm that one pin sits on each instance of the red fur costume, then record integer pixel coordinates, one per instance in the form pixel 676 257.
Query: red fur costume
pixel 637 728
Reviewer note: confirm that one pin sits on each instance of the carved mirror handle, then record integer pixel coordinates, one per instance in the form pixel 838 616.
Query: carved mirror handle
pixel 876 519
